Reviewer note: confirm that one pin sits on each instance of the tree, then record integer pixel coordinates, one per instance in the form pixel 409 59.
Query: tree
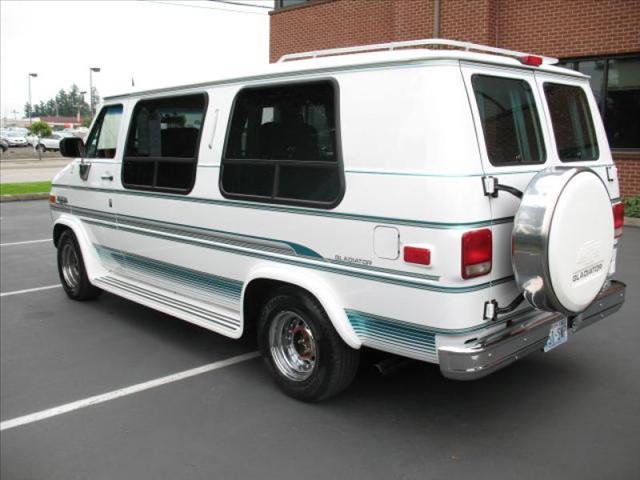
pixel 40 129
pixel 65 103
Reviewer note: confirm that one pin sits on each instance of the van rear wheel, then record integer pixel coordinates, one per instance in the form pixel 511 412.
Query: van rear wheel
pixel 305 354
pixel 71 269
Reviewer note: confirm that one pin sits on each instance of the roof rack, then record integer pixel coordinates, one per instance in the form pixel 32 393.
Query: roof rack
pixel 434 42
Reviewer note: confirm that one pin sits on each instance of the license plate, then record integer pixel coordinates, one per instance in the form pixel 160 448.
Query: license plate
pixel 557 335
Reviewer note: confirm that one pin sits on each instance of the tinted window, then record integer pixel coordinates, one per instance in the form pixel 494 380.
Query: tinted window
pixel 510 122
pixel 282 145
pixel 572 122
pixel 163 142
pixel 103 139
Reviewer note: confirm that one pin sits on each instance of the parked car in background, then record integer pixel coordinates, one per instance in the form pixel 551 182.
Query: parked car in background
pixel 52 142
pixel 14 139
pixel 80 132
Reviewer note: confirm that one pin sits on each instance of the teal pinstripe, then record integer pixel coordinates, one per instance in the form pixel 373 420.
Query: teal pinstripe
pixel 222 286
pixel 297 210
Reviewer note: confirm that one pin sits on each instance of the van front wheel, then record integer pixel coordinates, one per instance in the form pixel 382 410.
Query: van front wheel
pixel 305 354
pixel 71 269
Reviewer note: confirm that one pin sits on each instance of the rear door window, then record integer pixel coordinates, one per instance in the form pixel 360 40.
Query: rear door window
pixel 510 121
pixel 572 122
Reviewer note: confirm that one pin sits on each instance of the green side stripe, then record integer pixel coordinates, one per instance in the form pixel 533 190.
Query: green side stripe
pixel 220 285
pixel 298 249
pixel 182 229
pixel 385 330
pixel 328 268
pixel 358 318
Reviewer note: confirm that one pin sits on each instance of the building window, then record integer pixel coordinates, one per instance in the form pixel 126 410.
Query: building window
pixel 283 146
pixel 615 82
pixel 288 3
pixel 103 139
pixel 162 146
pixel 510 122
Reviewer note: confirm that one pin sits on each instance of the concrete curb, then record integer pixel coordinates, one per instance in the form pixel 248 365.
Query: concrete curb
pixel 24 196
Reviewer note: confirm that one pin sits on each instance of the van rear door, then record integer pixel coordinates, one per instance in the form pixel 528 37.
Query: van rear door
pixel 514 144
pixel 578 137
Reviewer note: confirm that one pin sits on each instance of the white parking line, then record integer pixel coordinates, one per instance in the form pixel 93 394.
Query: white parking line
pixel 29 290
pixel 25 243
pixel 105 397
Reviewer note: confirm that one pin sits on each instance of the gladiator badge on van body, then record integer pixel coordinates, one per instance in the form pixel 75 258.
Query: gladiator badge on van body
pixel 348 259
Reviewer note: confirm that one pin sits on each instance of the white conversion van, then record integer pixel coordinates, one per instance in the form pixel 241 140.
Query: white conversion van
pixel 455 204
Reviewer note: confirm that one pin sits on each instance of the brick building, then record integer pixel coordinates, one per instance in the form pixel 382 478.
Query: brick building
pixel 598 37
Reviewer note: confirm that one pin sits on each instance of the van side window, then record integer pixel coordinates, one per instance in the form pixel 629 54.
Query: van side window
pixel 282 146
pixel 103 139
pixel 162 146
pixel 572 122
pixel 510 121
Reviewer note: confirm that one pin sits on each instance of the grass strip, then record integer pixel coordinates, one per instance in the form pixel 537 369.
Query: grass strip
pixel 26 187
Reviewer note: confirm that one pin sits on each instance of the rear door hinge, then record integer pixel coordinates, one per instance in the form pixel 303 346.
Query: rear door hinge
pixel 491 187
pixel 492 310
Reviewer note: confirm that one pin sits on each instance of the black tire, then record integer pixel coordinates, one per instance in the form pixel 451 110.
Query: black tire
pixel 335 364
pixel 41 148
pixel 76 283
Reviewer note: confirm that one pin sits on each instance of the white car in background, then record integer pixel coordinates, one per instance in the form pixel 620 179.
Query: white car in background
pixel 15 139
pixel 52 142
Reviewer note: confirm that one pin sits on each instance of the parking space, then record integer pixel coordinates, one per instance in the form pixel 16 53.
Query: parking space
pixel 572 413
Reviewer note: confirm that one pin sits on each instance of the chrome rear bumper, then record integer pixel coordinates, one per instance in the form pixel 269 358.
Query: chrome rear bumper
pixel 522 337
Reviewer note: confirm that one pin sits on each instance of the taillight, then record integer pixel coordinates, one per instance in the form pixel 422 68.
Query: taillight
pixel 477 252
pixel 52 198
pixel 421 256
pixel 618 219
pixel 533 60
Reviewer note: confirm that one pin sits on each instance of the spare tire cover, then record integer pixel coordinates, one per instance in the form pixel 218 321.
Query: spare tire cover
pixel 562 240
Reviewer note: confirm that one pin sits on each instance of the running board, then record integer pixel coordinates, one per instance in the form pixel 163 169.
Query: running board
pixel 214 318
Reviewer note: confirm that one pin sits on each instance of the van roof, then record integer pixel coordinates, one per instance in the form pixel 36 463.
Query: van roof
pixel 359 60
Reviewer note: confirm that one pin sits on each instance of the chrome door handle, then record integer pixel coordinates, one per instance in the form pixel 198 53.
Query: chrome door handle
pixel 107 177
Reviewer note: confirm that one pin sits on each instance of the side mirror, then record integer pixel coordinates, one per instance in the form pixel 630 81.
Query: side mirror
pixel 72 147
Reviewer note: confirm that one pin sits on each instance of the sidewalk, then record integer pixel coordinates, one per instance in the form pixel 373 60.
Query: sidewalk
pixel 30 169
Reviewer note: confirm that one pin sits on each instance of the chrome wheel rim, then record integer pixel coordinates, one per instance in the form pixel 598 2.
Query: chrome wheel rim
pixel 293 346
pixel 70 265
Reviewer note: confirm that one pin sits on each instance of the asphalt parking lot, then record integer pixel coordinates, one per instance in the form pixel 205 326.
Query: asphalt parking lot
pixel 572 413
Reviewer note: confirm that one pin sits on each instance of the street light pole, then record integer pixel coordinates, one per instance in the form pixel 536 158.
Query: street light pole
pixel 30 104
pixel 91 70
pixel 80 105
